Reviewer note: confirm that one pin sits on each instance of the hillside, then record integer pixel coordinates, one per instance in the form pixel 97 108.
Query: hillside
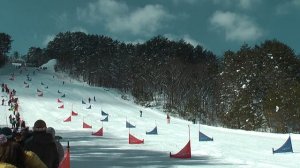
pixel 230 148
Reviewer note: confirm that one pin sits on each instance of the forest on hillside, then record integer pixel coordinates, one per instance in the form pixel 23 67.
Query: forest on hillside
pixel 255 88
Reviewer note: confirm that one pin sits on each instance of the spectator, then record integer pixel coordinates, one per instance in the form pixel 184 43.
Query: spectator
pixel 16 107
pixel 14 122
pixel 7 132
pixel 22 136
pixel 23 125
pixel 43 145
pixel 18 120
pixel 12 155
pixel 10 120
pixel 59 147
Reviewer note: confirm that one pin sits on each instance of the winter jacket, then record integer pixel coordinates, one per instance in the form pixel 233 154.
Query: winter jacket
pixel 33 161
pixel 60 150
pixel 42 144
pixel 6 165
pixel 59 147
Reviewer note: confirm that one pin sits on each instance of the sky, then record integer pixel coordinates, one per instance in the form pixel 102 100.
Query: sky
pixel 230 148
pixel 217 25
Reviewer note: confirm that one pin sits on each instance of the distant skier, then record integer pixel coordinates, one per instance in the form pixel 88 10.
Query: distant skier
pixel 168 118
pixel 2 102
pixel 94 98
pixel 89 100
pixel 141 113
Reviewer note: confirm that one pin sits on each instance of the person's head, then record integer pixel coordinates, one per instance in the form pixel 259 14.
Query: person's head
pixel 11 152
pixel 51 131
pixel 7 132
pixel 18 137
pixel 40 126
pixel 3 139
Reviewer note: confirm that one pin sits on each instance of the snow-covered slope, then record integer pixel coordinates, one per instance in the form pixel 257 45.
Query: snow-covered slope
pixel 230 148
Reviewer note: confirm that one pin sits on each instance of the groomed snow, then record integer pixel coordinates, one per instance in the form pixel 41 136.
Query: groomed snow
pixel 230 148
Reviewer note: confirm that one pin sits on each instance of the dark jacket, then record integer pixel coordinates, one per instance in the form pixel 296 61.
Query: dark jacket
pixel 44 146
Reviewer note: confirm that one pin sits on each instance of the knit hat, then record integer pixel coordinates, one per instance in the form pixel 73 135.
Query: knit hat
pixel 2 139
pixel 7 132
pixel 39 125
pixel 51 131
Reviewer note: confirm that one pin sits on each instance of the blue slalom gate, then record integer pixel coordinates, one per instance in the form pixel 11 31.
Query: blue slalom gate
pixel 286 147
pixel 153 132
pixel 203 137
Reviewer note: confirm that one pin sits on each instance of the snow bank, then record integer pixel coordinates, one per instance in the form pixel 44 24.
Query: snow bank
pixel 50 65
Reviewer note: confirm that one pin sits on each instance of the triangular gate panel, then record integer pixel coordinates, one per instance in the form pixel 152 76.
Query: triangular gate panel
pixel 286 147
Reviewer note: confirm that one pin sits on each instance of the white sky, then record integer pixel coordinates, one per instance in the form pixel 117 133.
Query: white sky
pixel 230 148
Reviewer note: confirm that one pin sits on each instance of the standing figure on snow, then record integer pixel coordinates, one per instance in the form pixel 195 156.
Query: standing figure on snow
pixel 17 120
pixel 89 100
pixel 23 125
pixel 9 101
pixel 94 98
pixel 10 119
pixel 14 122
pixel 2 102
pixel 16 108
pixel 14 92
pixel 141 113
pixel 168 118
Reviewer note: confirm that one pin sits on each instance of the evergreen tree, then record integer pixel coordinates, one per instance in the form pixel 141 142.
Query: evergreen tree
pixel 5 46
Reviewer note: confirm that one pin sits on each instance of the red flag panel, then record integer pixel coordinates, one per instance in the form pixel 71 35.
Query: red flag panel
pixel 134 140
pixel 184 153
pixel 65 163
pixel 74 113
pixel 68 119
pixel 59 101
pixel 99 132
pixel 85 125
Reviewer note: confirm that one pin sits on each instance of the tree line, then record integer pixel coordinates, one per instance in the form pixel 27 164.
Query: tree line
pixel 255 88
pixel 5 46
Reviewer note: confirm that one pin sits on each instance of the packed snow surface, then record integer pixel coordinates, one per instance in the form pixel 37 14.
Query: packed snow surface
pixel 230 148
